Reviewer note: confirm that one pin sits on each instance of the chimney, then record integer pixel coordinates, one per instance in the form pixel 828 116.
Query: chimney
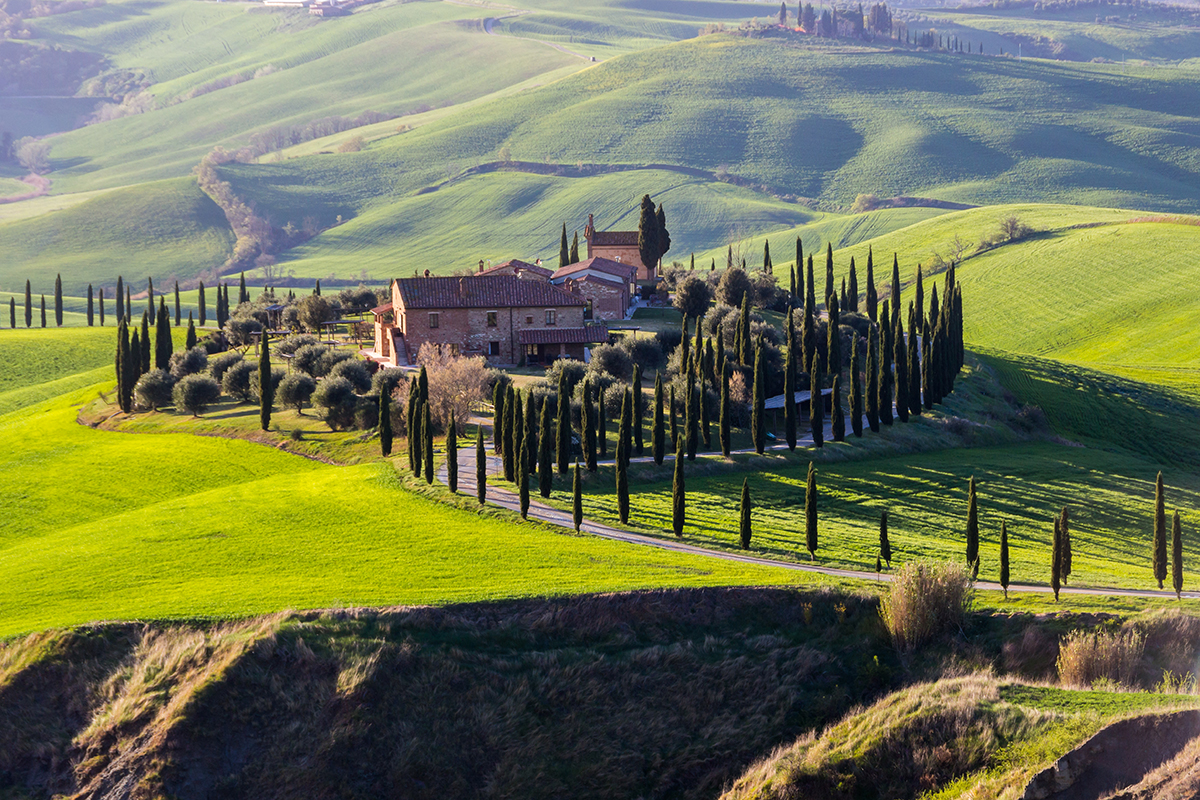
pixel 462 287
pixel 590 229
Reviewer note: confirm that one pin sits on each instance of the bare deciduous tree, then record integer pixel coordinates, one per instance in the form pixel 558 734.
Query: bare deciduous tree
pixel 455 383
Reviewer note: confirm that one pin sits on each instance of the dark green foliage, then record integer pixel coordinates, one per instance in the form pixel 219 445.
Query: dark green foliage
pixel 744 324
pixel 545 458
pixel 767 266
pixel 872 294
pixel 808 340
pixel 1056 560
pixel 885 365
pixel 724 426
pixel 562 438
pixel 602 426
pixel 852 290
pixel 150 297
pixel 744 516
pixel 810 296
pixel 195 393
pixel 810 512
pixel 413 426
pixel 243 295
pixel 588 420
pixel 1004 557
pixel 58 301
pixel 872 397
pixel 1160 532
pixel 574 254
pixel 119 360
pixel 523 486
pixel 829 287
pixel 385 423
pixel 266 392
pixel 146 349
pixel 507 451
pixel 1177 557
pixel 427 430
pixel 190 340
pixel 648 235
pixel 135 358
pixel 532 428
pixel 120 297
pixel 856 389
pixel 692 421
pixel 480 466
pixel 672 413
pixel 837 418
pixel 919 300
pixel 28 306
pixel 833 340
pixel 622 465
pixel 90 307
pixel 758 412
pixel 564 251
pixel 678 500
pixel 658 432
pixel 705 417
pixel 639 405
pixel 163 345
pixel 44 313
pixel 885 545
pixel 1065 523
pixel 12 312
pixel 972 525
pixel 498 394
pixel 789 384
pixel 203 305
pixel 900 355
pixel 914 366
pixel 895 285
pixel 296 389
pixel 816 405
pixel 154 389
pixel 178 312
pixel 664 236
pixel 577 499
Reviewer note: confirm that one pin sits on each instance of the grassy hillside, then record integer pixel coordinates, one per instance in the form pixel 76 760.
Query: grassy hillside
pixel 165 229
pixel 36 356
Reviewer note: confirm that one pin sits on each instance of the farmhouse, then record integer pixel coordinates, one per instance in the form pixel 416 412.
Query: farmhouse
pixel 619 246
pixel 607 286
pixel 509 319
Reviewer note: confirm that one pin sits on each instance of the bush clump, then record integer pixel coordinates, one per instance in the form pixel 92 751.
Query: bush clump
pixel 1085 658
pixel 295 390
pixel 277 375
pixel 219 364
pixel 925 599
pixel 154 389
pixel 195 393
pixel 236 380
pixel 354 371
pixel 337 401
pixel 189 362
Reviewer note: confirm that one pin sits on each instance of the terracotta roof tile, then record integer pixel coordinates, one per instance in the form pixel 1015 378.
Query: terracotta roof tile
pixel 621 238
pixel 590 334
pixel 598 264
pixel 516 263
pixel 482 291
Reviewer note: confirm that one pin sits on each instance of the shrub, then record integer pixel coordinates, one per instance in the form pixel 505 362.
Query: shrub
pixel 290 344
pixel 337 401
pixel 733 286
pixel 645 350
pixel 295 390
pixel 925 599
pixel 219 364
pixel 612 361
pixel 387 380
pixel 355 371
pixel 189 362
pixel 1085 658
pixel 358 299
pixel 236 381
pixel 195 393
pixel 366 414
pixel 569 368
pixel 277 376
pixel 330 359
pixel 313 310
pixel 240 330
pixel 693 296
pixel 308 358
pixel 865 202
pixel 153 389
pixel 669 339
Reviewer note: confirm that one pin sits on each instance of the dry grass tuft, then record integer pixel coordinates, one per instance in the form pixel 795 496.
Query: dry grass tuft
pixel 925 599
pixel 1085 658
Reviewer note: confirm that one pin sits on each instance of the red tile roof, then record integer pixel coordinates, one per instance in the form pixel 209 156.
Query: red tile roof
pixel 518 264
pixel 619 238
pixel 590 334
pixel 383 309
pixel 482 291
pixel 599 264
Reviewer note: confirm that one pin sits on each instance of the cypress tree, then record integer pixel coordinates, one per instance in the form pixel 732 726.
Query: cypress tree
pixel 658 433
pixel 972 526
pixel 90 307
pixel 427 430
pixel 792 289
pixel 872 397
pixel 833 342
pixel 58 301
pixel 648 235
pixel 135 360
pixel 545 456
pixel 914 365
pixel 789 385
pixel 1177 557
pixel 532 428
pixel 602 426
pixel 1160 532
pixel 856 389
pixel 577 499
pixel 120 297
pixel 266 391
pixel 145 363
pixel 480 466
pixel 564 251
pixel 506 437
pixel 810 513
pixel 178 313
pixel 746 354
pixel 575 251
pixel 810 295
pixel 589 428
pixel 885 366
pixel 316 290
pixel 523 486
pixel 872 294
pixel 499 392
pixel 28 306
pixel 413 426
pixel 1004 557
pixel 200 301
pixel 163 345
pixel 852 293
pixel 624 436
pixel 829 289
pixel 129 303
pixel 798 273
pixel 724 431
pixel 43 311
pixel 838 419
pixel 692 419
pixel 758 415
pixel 744 516
pixel 1056 560
pixel 150 296
pixel 844 298
pixel 385 423
pixel 12 313
pixel 895 285
pixel 768 267
pixel 919 299
pixel 674 417
pixel 1064 522
pixel 816 405
pixel 621 468
pixel 678 501
pixel 926 357
pixel 451 449
pixel 639 404
pixel 244 295
pixel 885 544
pixel 808 341
pixel 562 437
pixel 900 354
pixel 122 365
pixel 100 298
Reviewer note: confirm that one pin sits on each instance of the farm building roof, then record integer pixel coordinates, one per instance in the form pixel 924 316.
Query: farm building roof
pixel 598 264
pixel 616 238
pixel 383 309
pixel 482 291
pixel 589 334
pixel 520 266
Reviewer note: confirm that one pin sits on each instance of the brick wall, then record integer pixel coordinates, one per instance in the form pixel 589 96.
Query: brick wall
pixel 609 300
pixel 626 254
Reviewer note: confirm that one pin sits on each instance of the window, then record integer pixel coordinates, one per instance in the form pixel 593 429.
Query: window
pixel 433 320
pixel 551 316
pixel 529 320
pixel 492 319
pixel 587 312
pixel 493 348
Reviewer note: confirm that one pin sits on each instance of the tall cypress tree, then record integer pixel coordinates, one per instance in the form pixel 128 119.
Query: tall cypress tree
pixel 178 310
pixel 266 390
pixel 385 424
pixel 575 250
pixel 621 465
pixel 1160 532
pixel 1065 523
pixel 972 527
pixel 872 293
pixel 678 501
pixel 919 299
pixel 480 466
pixel 648 235
pixel 829 287
pixel 810 513
pixel 577 499
pixel 12 312
pixel 838 419
pixel 639 405
pixel 658 432
pixel 746 354
pixel 856 389
pixel 122 366
pixel 692 417
pixel 767 266
pixel 129 303
pixel 243 294
pixel 810 294
pixel 602 426
pixel 724 430
pixel 789 384
pixel 852 292
pixel 900 354
pixel 808 341
pixel 507 450
pixel 28 306
pixel 120 296
pixel 499 393
pixel 816 405
pixel 135 360
pixel 1056 560
pixel 150 296
pixel 146 348
pixel 451 451
pixel 532 428
pixel 562 437
pixel 58 301
pixel 589 427
pixel 673 415
pixel 427 430
pixel 203 305
pixel 927 396
pixel 1177 557
pixel 873 379
pixel 844 297
pixel 90 307
pixel 833 342
pixel 895 285
pixel 792 289
pixel 914 365
pixel 1004 557
pixel 413 427
pixel 885 544
pixel 564 251
pixel 100 299
pixel 744 516
pixel 545 456
pixel 163 344
pixel 523 486
pixel 758 414
pixel 43 311
pixel 885 365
